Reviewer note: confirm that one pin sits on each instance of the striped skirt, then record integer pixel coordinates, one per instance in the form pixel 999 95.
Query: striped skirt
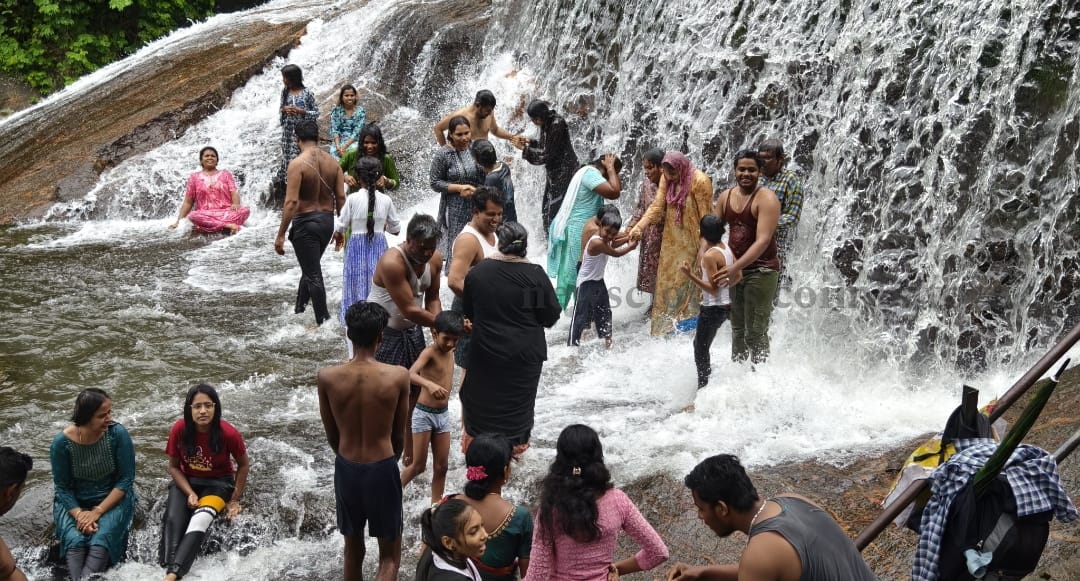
pixel 361 256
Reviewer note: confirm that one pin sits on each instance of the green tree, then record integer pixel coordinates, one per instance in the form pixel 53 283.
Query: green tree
pixel 50 43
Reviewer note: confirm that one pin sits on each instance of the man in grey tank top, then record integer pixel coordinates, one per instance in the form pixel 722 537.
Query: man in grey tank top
pixel 790 538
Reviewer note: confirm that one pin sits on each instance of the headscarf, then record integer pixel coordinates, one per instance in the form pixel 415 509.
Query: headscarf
pixel 677 193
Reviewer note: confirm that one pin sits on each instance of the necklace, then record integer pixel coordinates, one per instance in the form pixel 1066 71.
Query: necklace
pixel 754 520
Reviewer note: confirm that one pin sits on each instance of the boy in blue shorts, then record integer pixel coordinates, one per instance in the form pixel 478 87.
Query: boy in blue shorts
pixel 434 373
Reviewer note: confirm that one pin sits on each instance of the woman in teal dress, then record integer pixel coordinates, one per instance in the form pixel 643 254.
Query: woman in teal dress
pixel 589 187
pixel 509 527
pixel 345 122
pixel 93 467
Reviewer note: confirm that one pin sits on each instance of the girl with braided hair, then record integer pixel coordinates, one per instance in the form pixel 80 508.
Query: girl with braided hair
pixel 366 215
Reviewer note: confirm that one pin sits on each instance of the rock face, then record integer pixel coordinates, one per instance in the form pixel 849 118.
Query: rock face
pixel 58 157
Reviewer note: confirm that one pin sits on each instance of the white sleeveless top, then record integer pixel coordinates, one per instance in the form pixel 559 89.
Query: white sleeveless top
pixel 382 296
pixel 488 249
pixel 354 214
pixel 721 297
pixel 592 267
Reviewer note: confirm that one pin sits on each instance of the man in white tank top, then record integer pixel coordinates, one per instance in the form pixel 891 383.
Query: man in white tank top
pixel 476 242
pixel 406 284
pixel 715 299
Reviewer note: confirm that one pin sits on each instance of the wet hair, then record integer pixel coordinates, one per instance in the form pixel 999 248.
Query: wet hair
pixel 457 120
pixel 654 156
pixel 493 454
pixel 773 146
pixel 539 109
pixel 447 519
pixel 451 322
pixel 712 228
pixel 513 239
pixel 722 478
pixel 14 466
pixel 307 130
pixel 484 98
pixel 365 321
pixel 216 437
pixel 598 163
pixel 604 210
pixel 576 479
pixel 611 219
pixel 485 194
pixel 368 171
pixel 294 75
pixel 747 154
pixel 86 405
pixel 373 130
pixel 341 94
pixel 208 148
pixel 422 228
pixel 484 152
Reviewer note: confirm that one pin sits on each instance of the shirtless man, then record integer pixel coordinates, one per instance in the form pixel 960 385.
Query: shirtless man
pixel 13 469
pixel 752 213
pixel 789 537
pixel 311 185
pixel 363 404
pixel 406 284
pixel 481 120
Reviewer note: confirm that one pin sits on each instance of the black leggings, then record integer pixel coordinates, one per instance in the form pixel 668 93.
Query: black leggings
pixel 83 563
pixel 310 234
pixel 593 306
pixel 179 546
pixel 709 321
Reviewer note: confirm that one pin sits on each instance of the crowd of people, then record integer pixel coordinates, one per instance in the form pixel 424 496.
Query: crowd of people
pixel 389 401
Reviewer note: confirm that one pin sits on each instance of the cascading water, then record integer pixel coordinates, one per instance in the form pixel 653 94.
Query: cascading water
pixel 937 141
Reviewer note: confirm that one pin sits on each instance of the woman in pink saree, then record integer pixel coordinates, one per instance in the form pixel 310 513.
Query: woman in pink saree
pixel 213 194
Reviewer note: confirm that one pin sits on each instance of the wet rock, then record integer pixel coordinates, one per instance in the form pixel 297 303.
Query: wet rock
pixel 58 157
pixel 848 259
pixel 755 61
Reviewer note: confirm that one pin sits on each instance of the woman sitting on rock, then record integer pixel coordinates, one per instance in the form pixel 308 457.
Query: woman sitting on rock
pixel 215 197
pixel 93 470
pixel 201 449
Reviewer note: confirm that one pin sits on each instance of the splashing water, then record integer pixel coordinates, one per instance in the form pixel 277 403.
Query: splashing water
pixel 937 246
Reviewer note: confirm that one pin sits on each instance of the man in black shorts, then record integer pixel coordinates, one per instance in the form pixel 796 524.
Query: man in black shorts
pixel 364 404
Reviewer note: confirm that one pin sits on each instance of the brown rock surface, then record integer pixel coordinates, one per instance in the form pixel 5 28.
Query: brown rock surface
pixel 58 157
pixel 853 492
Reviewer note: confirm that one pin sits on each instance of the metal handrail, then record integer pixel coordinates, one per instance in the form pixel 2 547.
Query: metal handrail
pixel 1004 402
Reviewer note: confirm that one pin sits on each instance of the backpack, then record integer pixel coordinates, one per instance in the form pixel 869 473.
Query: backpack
pixel 989 525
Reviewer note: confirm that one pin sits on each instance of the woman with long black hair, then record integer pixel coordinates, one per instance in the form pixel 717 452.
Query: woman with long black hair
pixel 581 514
pixel 204 481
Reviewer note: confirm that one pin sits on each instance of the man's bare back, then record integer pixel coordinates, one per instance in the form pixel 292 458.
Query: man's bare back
pixel 319 177
pixel 435 367
pixel 363 405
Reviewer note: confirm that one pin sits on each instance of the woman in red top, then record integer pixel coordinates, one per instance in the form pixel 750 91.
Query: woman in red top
pixel 199 449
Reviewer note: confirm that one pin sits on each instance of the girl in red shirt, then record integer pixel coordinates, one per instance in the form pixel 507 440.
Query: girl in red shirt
pixel 201 449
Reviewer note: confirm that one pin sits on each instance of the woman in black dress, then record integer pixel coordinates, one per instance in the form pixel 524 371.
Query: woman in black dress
pixel 553 151
pixel 509 301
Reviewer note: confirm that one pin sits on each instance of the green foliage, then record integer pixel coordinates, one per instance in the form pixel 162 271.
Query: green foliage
pixel 50 43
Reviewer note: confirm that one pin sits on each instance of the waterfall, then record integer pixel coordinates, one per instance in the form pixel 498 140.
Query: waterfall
pixel 937 140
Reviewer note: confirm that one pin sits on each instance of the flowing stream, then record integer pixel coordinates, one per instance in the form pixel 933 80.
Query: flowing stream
pixel 938 244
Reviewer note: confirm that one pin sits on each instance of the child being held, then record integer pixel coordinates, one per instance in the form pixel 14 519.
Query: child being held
pixel 593 303
pixel 434 373
pixel 715 299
